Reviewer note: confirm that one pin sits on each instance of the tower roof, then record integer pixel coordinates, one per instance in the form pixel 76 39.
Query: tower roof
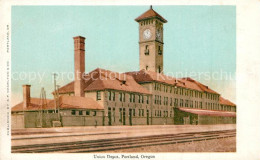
pixel 150 14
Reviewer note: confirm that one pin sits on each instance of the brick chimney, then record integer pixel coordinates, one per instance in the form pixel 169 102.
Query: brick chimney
pixel 26 96
pixel 79 64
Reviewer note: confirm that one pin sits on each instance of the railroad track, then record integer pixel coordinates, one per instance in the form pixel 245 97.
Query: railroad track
pixel 123 143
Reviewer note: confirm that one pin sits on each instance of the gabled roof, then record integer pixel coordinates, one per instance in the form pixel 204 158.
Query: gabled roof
pixel 150 14
pixel 193 84
pixel 75 102
pixel 224 101
pixel 101 79
pixel 150 76
pixel 35 104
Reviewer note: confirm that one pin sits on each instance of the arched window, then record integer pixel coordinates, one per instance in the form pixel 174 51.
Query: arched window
pixel 146 52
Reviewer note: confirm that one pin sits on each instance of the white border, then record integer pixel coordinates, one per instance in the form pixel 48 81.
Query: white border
pixel 248 78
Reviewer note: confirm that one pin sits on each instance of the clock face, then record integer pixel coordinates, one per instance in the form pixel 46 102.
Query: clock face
pixel 158 35
pixel 147 34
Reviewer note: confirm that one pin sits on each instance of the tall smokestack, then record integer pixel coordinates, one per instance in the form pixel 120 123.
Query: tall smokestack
pixel 26 96
pixel 79 64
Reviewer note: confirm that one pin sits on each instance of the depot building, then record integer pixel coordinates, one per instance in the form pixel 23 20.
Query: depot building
pixel 146 97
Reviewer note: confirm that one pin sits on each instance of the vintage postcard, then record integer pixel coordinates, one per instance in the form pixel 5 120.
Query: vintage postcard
pixel 123 81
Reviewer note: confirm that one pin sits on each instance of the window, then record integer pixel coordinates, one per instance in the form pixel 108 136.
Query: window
pixel 114 96
pixel 176 90
pixel 94 113
pixel 146 67
pixel 133 112
pixel 130 97
pixel 146 52
pixel 176 102
pixel 98 95
pixel 80 113
pixel 159 50
pixel 159 69
pixel 120 114
pixel 147 100
pixel 73 112
pixel 120 97
pixel 171 102
pixel 139 99
pixel 109 95
pixel 133 98
pixel 186 103
pixel 181 102
pixel 87 113
pixel 114 114
pixel 50 111
pixel 123 96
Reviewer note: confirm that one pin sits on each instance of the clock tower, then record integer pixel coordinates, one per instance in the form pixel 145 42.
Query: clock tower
pixel 151 41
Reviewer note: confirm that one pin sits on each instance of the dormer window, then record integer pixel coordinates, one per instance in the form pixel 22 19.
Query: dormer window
pixel 146 52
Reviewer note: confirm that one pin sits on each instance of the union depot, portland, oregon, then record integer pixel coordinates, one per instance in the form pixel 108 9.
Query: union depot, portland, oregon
pixel 145 97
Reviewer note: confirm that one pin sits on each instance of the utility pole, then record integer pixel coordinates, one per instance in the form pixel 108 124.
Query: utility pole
pixel 55 95
pixel 58 102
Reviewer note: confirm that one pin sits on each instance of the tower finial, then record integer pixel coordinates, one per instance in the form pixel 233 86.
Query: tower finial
pixel 151 7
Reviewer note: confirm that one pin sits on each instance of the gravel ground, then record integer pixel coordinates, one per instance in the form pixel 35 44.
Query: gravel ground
pixel 217 145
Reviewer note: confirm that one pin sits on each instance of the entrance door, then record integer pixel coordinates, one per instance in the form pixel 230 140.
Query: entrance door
pixel 147 115
pixel 109 117
pixel 186 120
pixel 123 116
pixel 130 116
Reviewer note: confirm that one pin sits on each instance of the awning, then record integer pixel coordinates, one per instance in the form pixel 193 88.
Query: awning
pixel 208 112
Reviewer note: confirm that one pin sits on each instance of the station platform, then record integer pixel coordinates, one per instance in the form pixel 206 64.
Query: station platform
pixel 71 134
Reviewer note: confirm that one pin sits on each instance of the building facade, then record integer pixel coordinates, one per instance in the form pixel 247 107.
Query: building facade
pixel 145 97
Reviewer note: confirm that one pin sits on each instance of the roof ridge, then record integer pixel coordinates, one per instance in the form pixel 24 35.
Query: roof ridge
pixel 150 13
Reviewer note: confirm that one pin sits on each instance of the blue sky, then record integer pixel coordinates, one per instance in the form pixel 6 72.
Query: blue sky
pixel 199 39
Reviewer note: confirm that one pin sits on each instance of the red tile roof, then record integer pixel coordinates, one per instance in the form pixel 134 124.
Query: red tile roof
pixel 224 101
pixel 66 102
pixel 100 79
pixel 193 84
pixel 149 76
pixel 35 104
pixel 150 14
pixel 75 102
pixel 209 112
